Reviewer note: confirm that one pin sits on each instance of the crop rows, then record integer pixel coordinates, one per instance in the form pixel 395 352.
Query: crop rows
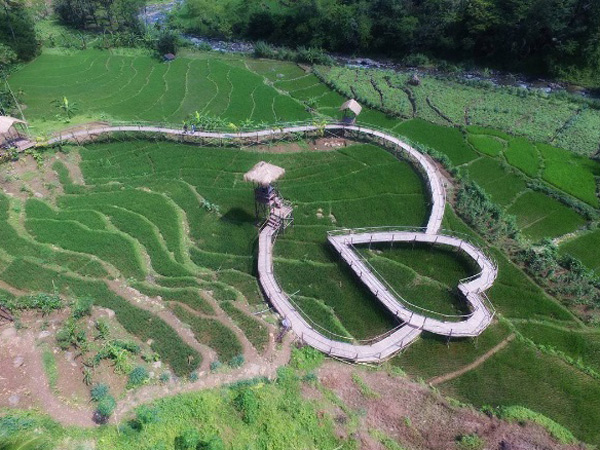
pixel 139 87
pixel 537 117
pixel 143 324
pixel 212 333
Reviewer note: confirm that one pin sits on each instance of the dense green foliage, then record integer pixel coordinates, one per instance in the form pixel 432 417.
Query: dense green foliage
pixel 111 15
pixel 252 414
pixel 545 36
pixel 17 33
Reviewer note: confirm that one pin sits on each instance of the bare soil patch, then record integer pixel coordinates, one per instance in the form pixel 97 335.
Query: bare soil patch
pixel 314 145
pixel 24 178
pixel 417 417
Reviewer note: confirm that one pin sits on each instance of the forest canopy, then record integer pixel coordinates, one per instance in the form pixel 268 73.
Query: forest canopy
pixel 558 37
pixel 17 34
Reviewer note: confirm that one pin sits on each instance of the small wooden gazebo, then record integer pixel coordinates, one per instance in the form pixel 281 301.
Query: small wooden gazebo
pixel 267 201
pixel 351 110
pixel 9 134
pixel 8 130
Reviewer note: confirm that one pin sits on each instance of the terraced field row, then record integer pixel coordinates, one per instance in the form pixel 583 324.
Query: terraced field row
pixel 125 87
pixel 539 118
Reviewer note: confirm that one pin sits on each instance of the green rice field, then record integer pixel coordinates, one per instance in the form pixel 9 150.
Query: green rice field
pixel 176 221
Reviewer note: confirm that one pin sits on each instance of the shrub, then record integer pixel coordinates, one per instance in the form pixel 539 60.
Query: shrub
pixel 138 376
pixel 99 391
pixel 416 60
pixel 306 358
pixel 188 440
pixel 165 376
pixel 44 302
pixel 167 42
pixel 237 361
pixel 214 443
pixel 146 415
pixel 246 403
pixel 71 335
pixel 127 345
pixel 83 307
pixel 470 442
pixel 103 329
pixel 105 408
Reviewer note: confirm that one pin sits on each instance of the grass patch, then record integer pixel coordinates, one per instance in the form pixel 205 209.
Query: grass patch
pixel 114 248
pixel 523 155
pixel 486 144
pixel 496 179
pixel 189 296
pixel 416 288
pixel 555 390
pixel 585 248
pixel 573 174
pixel 50 367
pixel 539 216
pixel 449 141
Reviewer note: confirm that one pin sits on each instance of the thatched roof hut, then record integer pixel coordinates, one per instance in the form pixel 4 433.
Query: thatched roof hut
pixel 351 105
pixel 264 173
pixel 7 128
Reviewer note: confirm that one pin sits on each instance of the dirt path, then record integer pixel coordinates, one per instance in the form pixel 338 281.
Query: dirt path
pixel 11 289
pixel 262 367
pixel 375 402
pixel 483 358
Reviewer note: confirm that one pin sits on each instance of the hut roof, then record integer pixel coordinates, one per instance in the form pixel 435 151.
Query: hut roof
pixel 169 56
pixel 6 123
pixel 264 173
pixel 353 106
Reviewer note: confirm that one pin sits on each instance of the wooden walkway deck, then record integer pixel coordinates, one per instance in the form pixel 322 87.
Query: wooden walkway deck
pixel 468 325
pixel 415 320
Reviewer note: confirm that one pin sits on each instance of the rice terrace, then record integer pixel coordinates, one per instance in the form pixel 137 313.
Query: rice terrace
pixel 232 250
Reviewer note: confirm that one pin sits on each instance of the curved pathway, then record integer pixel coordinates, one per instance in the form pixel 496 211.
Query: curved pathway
pixel 414 319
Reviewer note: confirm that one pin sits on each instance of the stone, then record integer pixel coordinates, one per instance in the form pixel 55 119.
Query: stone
pixel 13 400
pixel 9 333
pixel 44 334
pixel 18 361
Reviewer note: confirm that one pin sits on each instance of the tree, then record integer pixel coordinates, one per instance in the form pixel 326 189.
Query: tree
pixel 167 42
pixel 17 30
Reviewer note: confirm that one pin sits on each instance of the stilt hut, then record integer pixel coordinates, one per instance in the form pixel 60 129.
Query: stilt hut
pixel 268 204
pixel 351 109
pixel 10 135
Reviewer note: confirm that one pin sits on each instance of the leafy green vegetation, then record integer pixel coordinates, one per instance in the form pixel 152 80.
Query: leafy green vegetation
pixel 212 333
pixel 584 247
pixel 165 341
pixel 489 145
pixel 523 155
pixel 256 332
pixel 572 173
pixel 539 216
